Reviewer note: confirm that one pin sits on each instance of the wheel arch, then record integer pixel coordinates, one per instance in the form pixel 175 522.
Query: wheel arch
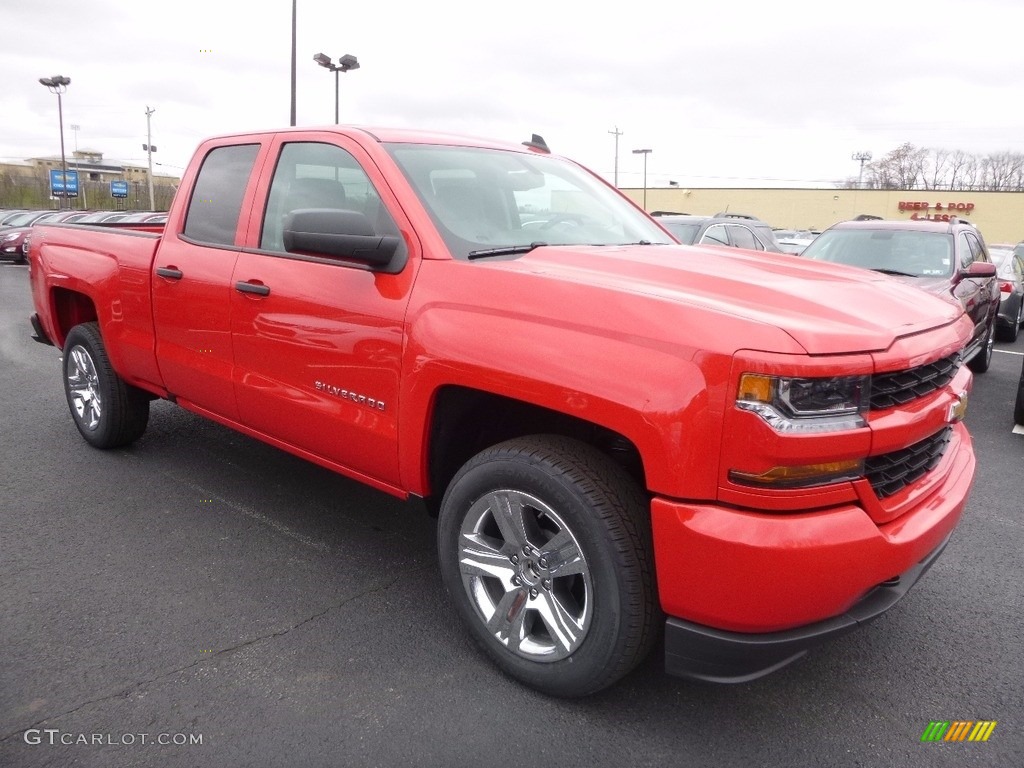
pixel 464 421
pixel 70 308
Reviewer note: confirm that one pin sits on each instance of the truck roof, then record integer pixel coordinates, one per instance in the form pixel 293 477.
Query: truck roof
pixel 392 135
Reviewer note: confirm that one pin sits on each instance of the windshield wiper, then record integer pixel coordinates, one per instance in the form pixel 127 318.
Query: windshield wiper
pixel 508 250
pixel 893 272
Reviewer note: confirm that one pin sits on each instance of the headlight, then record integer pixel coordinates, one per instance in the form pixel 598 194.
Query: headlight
pixel 806 405
pixel 8 238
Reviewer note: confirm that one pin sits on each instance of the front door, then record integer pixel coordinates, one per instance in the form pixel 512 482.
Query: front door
pixel 318 340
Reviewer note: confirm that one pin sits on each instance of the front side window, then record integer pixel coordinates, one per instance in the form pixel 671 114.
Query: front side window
pixel 966 252
pixel 321 176
pixel 744 238
pixel 217 195
pixel 486 199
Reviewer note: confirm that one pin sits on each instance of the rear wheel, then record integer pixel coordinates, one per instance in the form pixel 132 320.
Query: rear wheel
pixel 544 546
pixel 108 412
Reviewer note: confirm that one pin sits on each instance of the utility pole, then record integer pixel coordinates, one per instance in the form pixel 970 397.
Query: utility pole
pixel 863 157
pixel 616 133
pixel 150 149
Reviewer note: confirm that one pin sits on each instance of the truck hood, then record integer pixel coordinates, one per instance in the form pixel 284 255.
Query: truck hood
pixel 825 308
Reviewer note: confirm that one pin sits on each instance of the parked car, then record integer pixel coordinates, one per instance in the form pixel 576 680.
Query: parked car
pixel 145 217
pixel 9 214
pixel 729 229
pixel 1010 274
pixel 14 240
pixel 25 218
pixel 945 258
pixel 102 216
pixel 794 245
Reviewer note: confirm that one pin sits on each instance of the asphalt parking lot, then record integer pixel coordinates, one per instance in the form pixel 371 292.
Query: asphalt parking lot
pixel 203 587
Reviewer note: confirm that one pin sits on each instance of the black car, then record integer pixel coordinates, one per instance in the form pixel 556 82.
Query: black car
pixel 949 259
pixel 1010 271
pixel 1018 407
pixel 730 229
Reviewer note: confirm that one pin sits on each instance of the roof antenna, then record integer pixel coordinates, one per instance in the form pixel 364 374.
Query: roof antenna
pixel 538 143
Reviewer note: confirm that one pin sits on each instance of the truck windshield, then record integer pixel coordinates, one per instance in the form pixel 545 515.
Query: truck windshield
pixel 492 200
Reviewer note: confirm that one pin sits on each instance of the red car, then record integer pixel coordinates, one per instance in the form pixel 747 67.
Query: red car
pixel 949 259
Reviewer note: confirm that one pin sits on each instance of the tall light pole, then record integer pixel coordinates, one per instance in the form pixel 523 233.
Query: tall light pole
pixel 58 84
pixel 150 149
pixel 345 64
pixel 616 133
pixel 863 157
pixel 645 153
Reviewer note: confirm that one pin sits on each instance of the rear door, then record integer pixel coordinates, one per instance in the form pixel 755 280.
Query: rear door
pixel 192 280
pixel 318 340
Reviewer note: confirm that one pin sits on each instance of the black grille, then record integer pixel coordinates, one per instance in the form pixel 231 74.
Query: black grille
pixel 900 387
pixel 892 472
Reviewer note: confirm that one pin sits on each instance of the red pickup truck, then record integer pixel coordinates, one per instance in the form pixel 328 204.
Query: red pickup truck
pixel 620 435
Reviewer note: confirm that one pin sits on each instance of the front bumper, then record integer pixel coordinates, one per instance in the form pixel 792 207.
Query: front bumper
pixel 703 653
pixel 748 591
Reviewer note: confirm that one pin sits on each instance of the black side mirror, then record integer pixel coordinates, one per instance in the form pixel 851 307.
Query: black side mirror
pixel 341 234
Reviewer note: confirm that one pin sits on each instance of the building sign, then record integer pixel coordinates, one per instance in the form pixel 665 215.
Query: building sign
pixel 63 184
pixel 922 210
pixel 119 189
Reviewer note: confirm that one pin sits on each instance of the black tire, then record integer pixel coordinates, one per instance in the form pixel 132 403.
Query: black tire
pixel 983 359
pixel 1010 332
pixel 1018 406
pixel 108 412
pixel 578 548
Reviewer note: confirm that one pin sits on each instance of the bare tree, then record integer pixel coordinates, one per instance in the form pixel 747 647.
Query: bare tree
pixel 902 168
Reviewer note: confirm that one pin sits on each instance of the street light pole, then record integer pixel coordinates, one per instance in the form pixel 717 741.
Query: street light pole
pixel 645 153
pixel 345 64
pixel 58 84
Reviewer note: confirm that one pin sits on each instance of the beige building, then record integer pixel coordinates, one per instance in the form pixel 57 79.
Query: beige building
pixel 999 215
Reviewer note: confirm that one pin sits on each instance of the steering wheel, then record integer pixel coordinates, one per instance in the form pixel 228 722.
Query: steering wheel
pixel 572 218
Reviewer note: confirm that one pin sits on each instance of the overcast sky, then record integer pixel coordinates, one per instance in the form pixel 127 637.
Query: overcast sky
pixel 724 93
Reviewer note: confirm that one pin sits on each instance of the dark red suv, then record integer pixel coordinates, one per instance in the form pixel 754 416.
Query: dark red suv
pixel 946 258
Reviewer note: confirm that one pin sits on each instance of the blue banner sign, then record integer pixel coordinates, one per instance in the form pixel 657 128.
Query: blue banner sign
pixel 63 185
pixel 119 189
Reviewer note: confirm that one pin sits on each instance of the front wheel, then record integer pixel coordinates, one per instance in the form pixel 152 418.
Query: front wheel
pixel 983 359
pixel 544 545
pixel 108 411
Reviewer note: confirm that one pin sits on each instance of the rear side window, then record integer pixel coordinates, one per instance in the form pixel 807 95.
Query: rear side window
pixel 715 235
pixel 217 196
